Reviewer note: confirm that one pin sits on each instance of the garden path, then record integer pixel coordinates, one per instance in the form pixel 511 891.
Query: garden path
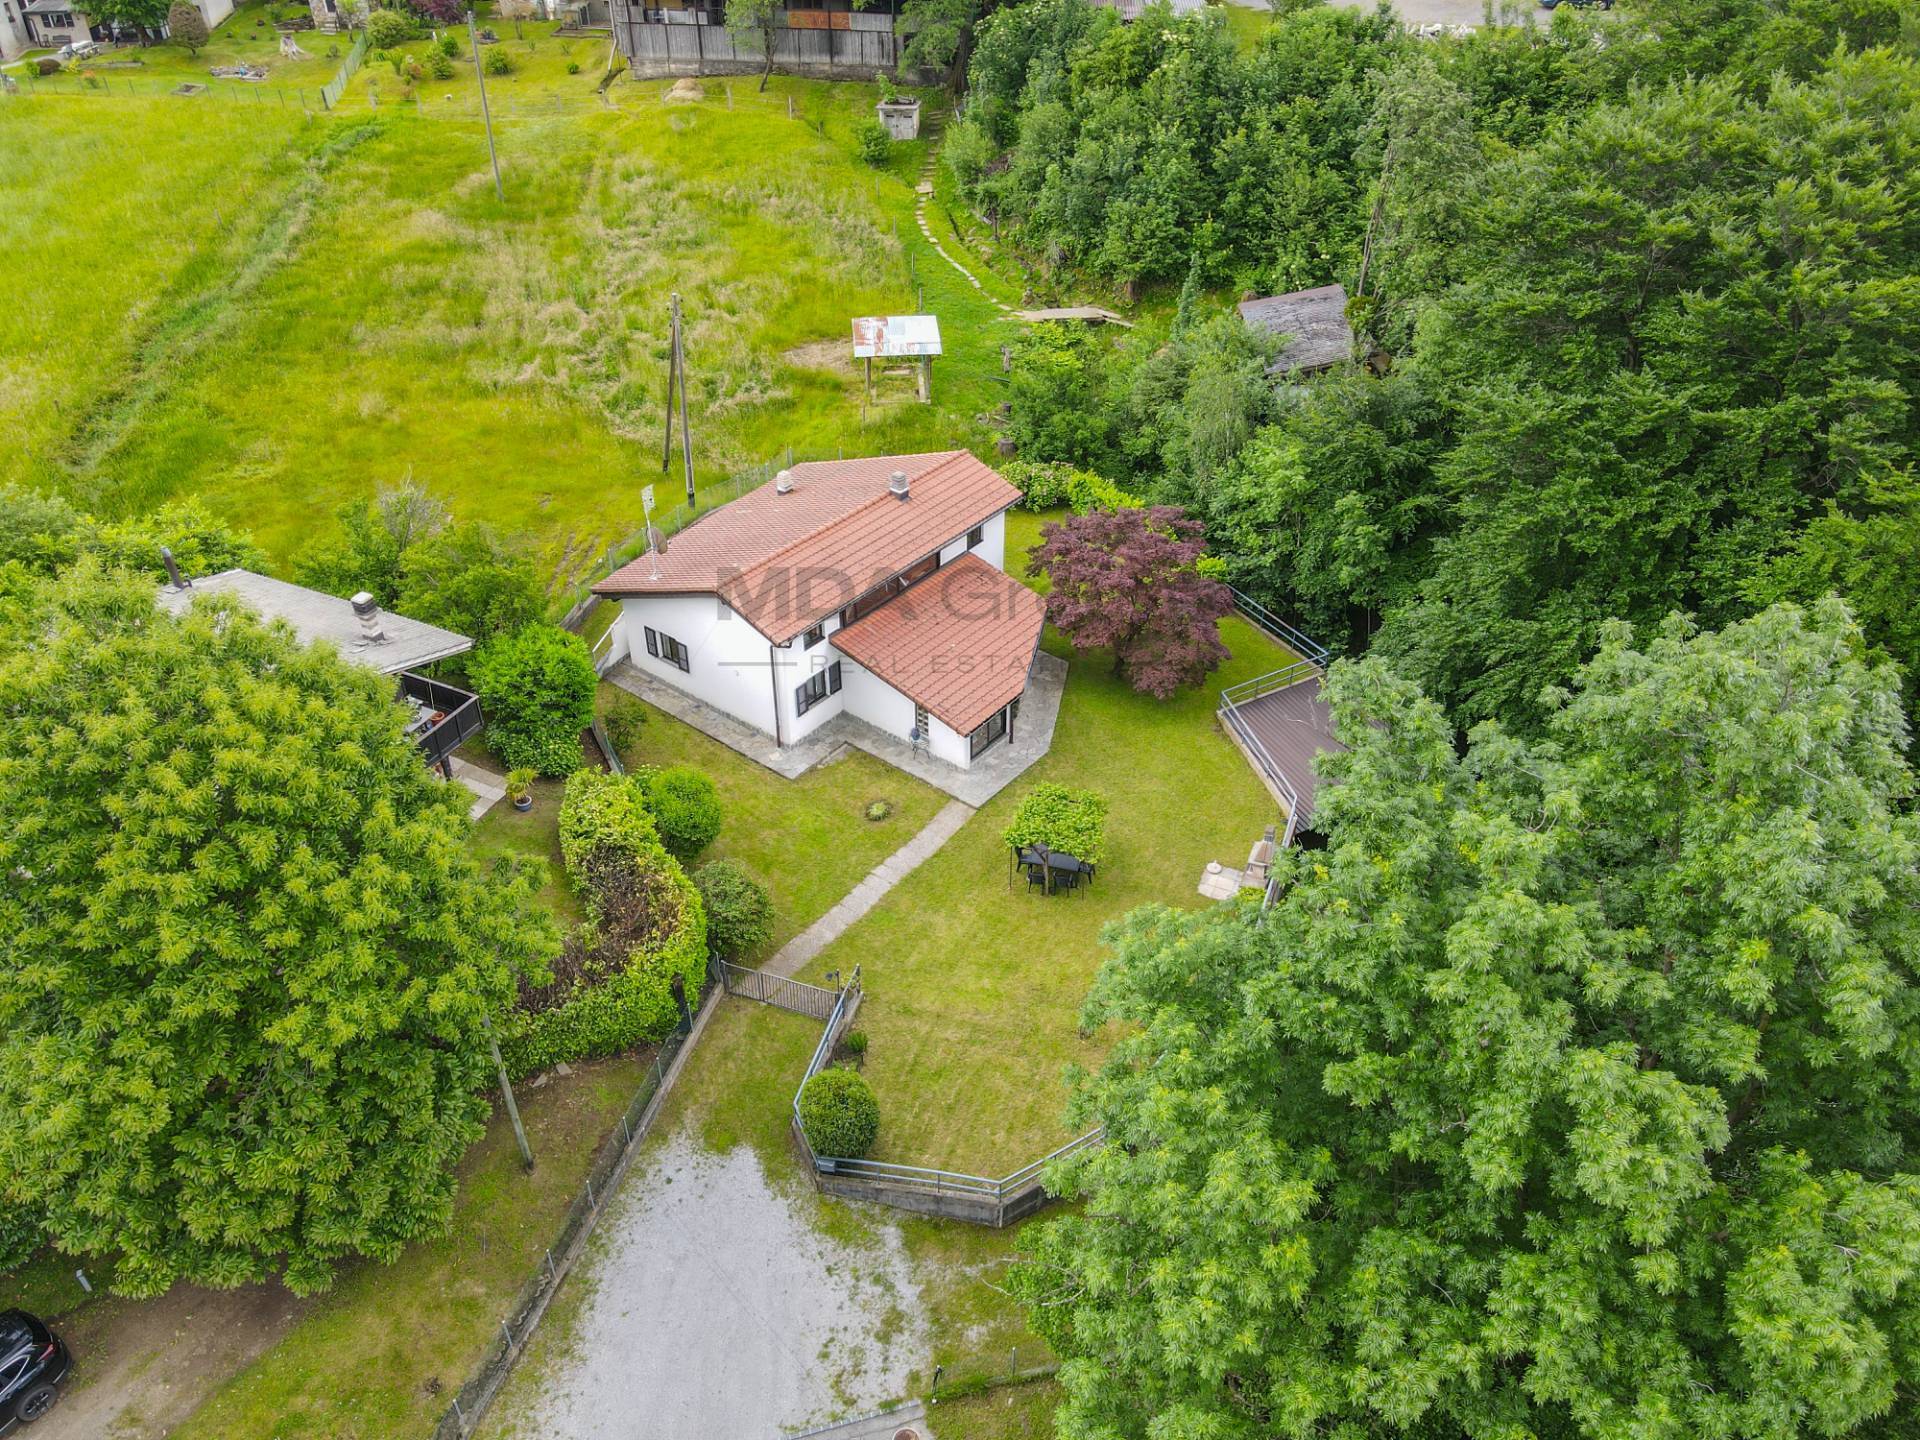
pixel 864 896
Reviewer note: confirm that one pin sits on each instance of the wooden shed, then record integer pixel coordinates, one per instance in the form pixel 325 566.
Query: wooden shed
pixel 1314 322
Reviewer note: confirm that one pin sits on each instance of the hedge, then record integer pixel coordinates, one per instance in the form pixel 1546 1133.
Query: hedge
pixel 536 688
pixel 1074 821
pixel 1049 484
pixel 839 1114
pixel 739 910
pixel 615 1002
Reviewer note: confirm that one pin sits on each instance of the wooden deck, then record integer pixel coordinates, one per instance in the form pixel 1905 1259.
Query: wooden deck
pixel 1290 725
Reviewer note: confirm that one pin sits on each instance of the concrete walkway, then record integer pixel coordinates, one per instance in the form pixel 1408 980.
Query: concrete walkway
pixel 864 896
pixel 883 1425
pixel 985 778
pixel 487 788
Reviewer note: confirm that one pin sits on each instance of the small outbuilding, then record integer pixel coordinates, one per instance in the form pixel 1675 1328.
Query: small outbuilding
pixel 1314 323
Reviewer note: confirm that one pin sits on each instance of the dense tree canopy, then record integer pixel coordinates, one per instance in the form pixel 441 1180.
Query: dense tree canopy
pixel 1571 1090
pixel 245 953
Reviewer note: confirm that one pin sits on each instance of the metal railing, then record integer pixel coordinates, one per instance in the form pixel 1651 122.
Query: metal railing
pixel 1295 639
pixel 1235 696
pixel 782 991
pixel 459 710
pixel 1005 1188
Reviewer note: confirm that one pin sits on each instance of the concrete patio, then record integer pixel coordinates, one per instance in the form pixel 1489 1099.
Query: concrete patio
pixel 989 775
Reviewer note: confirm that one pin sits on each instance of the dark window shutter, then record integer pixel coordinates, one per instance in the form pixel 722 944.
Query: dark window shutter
pixel 833 678
pixel 653 643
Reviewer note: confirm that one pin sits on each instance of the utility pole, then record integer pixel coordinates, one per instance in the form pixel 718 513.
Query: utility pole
pixel 486 115
pixel 506 1088
pixel 677 372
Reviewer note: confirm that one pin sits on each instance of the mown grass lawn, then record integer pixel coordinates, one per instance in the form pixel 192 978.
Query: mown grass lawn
pixel 381 1354
pixel 974 987
pixel 807 840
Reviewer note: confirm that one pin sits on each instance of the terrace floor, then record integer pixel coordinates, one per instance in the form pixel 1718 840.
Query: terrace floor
pixel 986 778
pixel 1295 727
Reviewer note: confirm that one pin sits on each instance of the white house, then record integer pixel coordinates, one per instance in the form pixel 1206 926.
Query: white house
pixel 872 588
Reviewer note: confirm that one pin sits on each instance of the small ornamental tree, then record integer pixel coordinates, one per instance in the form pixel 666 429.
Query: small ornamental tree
pixel 1073 821
pixel 187 25
pixel 1127 580
pixel 536 688
pixel 246 952
pixel 1570 1091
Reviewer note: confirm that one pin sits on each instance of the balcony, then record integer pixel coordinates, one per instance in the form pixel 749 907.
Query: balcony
pixel 443 716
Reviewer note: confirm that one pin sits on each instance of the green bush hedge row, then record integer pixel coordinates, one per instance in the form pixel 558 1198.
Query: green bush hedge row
pixel 1048 485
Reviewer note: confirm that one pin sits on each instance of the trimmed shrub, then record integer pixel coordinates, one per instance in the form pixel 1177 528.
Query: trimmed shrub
pixel 873 142
pixel 839 1114
pixel 496 61
pixel 686 808
pixel 388 28
pixel 1074 821
pixel 612 987
pixel 739 910
pixel 536 686
pixel 601 812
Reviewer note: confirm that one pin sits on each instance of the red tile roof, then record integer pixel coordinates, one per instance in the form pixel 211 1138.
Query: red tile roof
pixel 960 642
pixel 786 562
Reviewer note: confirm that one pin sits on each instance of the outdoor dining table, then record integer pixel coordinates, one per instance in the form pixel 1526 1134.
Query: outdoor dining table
pixel 1054 866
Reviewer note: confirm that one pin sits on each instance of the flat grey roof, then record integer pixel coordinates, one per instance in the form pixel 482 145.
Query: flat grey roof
pixel 1314 322
pixel 315 615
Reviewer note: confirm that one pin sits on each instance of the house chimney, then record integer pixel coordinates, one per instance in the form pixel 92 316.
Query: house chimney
pixel 173 570
pixel 783 483
pixel 897 485
pixel 368 613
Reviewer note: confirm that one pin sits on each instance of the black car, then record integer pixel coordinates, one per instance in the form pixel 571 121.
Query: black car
pixel 33 1362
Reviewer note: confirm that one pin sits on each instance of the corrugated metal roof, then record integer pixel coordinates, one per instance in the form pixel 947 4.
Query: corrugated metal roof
pixel 786 562
pixel 960 642
pixel 1315 321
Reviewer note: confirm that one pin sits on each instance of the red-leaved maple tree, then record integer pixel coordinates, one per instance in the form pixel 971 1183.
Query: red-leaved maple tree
pixel 1126 580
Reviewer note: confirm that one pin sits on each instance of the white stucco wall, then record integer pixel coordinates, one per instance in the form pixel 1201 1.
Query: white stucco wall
pixel 728 657
pixel 945 744
pixel 871 699
pixel 214 11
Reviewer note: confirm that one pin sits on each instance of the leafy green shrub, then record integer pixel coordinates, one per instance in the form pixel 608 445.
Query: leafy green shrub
pixel 440 65
pixel 739 910
pixel 1048 485
pixel 573 67
pixel 968 150
pixel 1050 814
pixel 388 28
pixel 467 577
pixel 686 807
pixel 625 719
pixel 496 61
pixel 878 810
pixel 854 1042
pixel 612 987
pixel 536 686
pixel 448 45
pixel 602 812
pixel 839 1114
pixel 873 142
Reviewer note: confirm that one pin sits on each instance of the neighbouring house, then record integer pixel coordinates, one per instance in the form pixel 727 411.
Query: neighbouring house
pixel 1314 322
pixel 330 17
pixel 50 24
pixel 13 30
pixel 441 715
pixel 830 39
pixel 872 588
pixel 1131 10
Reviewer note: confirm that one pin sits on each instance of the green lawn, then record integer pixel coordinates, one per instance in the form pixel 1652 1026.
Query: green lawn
pixel 974 988
pixel 282 313
pixel 506 833
pixel 383 1352
pixel 807 840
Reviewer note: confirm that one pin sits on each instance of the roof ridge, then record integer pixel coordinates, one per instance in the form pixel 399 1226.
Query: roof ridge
pixel 884 497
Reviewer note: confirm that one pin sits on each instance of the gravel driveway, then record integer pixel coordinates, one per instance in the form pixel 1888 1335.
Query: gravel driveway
pixel 714 1309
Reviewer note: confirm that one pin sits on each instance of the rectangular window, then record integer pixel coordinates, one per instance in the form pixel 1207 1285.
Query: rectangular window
pixel 975 536
pixel 809 693
pixel 987 734
pixel 814 636
pixel 919 736
pixel 653 643
pixel 674 653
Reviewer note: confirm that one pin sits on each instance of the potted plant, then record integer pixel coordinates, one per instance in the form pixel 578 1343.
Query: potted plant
pixel 520 788
pixel 898 111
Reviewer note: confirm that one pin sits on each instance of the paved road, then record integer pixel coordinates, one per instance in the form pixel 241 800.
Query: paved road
pixel 716 1310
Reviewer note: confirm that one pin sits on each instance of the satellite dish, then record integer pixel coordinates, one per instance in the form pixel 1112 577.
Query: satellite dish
pixel 657 538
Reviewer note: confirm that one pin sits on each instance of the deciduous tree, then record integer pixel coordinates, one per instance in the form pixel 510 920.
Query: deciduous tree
pixel 245 951
pixel 1569 1090
pixel 186 25
pixel 1126 581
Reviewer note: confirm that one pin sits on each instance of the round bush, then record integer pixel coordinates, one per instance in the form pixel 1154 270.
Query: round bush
pixel 388 28
pixel 497 61
pixel 873 141
pixel 879 810
pixel 536 688
pixel 686 808
pixel 839 1114
pixel 739 910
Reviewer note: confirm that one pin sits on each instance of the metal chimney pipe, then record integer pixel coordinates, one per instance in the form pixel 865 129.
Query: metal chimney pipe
pixel 173 570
